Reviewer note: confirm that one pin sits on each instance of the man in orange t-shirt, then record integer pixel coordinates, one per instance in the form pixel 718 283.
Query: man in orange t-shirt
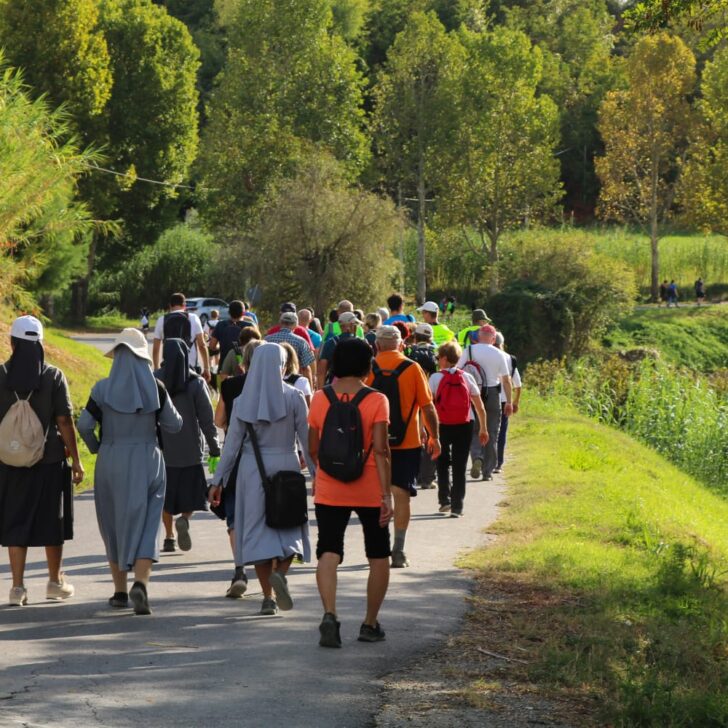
pixel 415 398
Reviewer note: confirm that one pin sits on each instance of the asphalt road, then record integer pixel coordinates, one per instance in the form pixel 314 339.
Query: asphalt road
pixel 203 660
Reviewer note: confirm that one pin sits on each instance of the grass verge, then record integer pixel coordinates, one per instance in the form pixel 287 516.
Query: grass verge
pixel 82 364
pixel 607 584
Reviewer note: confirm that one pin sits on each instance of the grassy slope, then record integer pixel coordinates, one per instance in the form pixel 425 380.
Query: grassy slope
pixel 610 563
pixel 82 364
pixel 687 336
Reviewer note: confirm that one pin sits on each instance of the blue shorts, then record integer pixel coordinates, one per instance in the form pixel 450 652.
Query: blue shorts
pixel 405 469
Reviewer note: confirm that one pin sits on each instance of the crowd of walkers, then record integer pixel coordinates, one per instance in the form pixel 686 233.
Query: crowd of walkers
pixel 375 407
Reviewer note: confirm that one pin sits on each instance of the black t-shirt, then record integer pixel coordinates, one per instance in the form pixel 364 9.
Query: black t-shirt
pixel 227 334
pixel 50 401
pixel 231 388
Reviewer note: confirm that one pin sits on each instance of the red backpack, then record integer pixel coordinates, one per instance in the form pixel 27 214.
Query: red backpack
pixel 453 399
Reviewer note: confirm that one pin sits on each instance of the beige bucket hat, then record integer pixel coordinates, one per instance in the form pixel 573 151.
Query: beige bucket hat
pixel 134 340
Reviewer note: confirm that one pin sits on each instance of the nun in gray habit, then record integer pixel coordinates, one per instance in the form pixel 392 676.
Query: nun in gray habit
pixel 278 414
pixel 130 475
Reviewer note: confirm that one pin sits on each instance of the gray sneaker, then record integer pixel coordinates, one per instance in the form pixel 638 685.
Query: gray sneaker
pixel 399 560
pixel 280 587
pixel 476 468
pixel 183 533
pixel 139 598
pixel 367 633
pixel 330 631
pixel 269 607
pixel 238 585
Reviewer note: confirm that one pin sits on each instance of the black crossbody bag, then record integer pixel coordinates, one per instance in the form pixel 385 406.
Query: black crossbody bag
pixel 286 504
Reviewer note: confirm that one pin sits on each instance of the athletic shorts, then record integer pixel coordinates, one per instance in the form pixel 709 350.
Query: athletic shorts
pixel 405 469
pixel 332 522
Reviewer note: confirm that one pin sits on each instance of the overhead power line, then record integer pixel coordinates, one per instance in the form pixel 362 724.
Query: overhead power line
pixel 136 178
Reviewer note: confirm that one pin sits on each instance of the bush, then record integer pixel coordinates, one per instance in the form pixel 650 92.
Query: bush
pixel 560 297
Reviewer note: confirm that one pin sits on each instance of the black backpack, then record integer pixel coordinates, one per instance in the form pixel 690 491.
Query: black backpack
pixel 387 382
pixel 177 325
pixel 425 357
pixel 227 335
pixel 341 450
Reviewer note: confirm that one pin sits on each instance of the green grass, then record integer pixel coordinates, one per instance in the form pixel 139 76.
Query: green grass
pixel 114 321
pixel 689 336
pixel 82 364
pixel 632 554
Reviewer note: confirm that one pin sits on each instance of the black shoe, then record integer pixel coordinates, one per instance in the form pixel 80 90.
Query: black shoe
pixel 330 631
pixel 120 600
pixel 169 546
pixel 487 476
pixel 371 634
pixel 456 514
pixel 183 533
pixel 138 595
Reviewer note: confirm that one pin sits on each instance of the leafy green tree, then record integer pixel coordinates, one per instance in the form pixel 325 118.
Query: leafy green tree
pixel 288 82
pixel 349 16
pixel 62 51
pixel 499 170
pixel 328 239
pixel 703 188
pixel 645 130
pixel 701 15
pixel 42 229
pixel 575 37
pixel 413 107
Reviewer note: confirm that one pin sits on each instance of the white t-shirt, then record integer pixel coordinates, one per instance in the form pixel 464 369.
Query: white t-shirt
pixel 303 385
pixel 492 361
pixel 473 386
pixel 195 328
pixel 515 377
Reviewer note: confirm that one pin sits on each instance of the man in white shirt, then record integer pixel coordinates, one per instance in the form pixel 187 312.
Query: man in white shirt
pixel 180 324
pixel 492 367
pixel 517 386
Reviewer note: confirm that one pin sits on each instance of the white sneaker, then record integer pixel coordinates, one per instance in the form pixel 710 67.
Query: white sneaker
pixel 18 596
pixel 59 590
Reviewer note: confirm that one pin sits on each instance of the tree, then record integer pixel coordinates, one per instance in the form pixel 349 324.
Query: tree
pixel 42 229
pixel 412 108
pixel 576 40
pixel 328 239
pixel 645 130
pixel 62 51
pixel 288 82
pixel 652 15
pixel 500 169
pixel 703 188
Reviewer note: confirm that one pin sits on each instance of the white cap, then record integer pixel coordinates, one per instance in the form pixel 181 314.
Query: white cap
pixel 383 312
pixel 135 341
pixel 389 332
pixel 430 307
pixel 424 330
pixel 28 328
pixel 348 318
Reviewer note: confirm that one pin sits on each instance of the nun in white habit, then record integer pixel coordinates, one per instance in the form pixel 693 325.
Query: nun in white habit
pixel 278 414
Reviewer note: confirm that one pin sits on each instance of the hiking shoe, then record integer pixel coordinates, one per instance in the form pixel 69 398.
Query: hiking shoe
pixel 280 587
pixel 444 509
pixel 169 546
pixel 18 596
pixel 456 514
pixel 120 600
pixel 497 469
pixel 487 476
pixel 476 468
pixel 427 486
pixel 399 560
pixel 238 585
pixel 269 607
pixel 59 590
pixel 330 629
pixel 183 533
pixel 367 633
pixel 138 596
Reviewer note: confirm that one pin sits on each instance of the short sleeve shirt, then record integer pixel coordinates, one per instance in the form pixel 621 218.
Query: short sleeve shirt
pixel 473 387
pixel 195 330
pixel 301 331
pixel 413 388
pixel 515 377
pixel 50 401
pixel 303 350
pixel 366 490
pixel 407 318
pixel 330 344
pixel 491 360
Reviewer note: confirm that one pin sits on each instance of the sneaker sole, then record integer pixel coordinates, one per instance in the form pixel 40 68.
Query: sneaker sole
pixel 475 471
pixel 184 540
pixel 59 598
pixel 362 638
pixel 140 601
pixel 237 589
pixel 328 635
pixel 21 603
pixel 283 596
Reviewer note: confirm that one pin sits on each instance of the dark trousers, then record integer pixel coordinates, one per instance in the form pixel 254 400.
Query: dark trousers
pixel 455 441
pixel 427 468
pixel 502 435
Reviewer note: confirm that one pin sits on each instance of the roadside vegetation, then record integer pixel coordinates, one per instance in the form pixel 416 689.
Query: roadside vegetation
pixel 607 583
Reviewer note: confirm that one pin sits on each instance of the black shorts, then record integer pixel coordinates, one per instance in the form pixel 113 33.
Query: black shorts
pixel 406 468
pixel 332 522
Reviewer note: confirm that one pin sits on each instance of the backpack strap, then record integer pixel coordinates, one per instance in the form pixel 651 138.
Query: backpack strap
pixel 328 390
pixel 361 394
pixel 256 450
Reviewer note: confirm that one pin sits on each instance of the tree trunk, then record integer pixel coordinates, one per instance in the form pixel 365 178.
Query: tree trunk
pixel 402 275
pixel 654 235
pixel 79 288
pixel 421 218
pixel 493 284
